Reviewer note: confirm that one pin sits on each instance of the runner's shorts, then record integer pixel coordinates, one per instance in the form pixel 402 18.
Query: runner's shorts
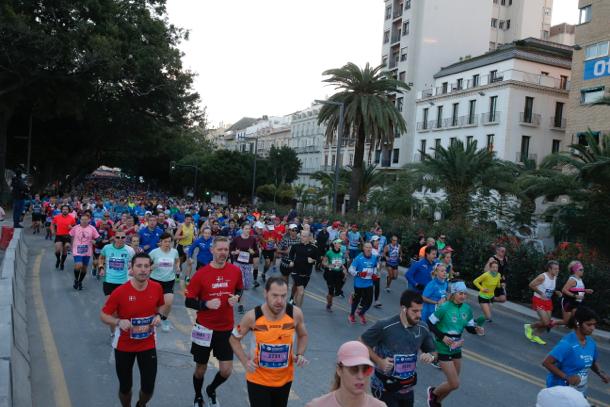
pixel 82 259
pixel 542 304
pixel 168 286
pixel 219 344
pixel 65 239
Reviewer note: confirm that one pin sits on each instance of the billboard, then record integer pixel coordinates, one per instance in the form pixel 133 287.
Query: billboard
pixel 597 68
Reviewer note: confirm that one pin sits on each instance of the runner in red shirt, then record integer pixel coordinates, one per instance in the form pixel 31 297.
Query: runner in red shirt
pixel 213 291
pixel 135 309
pixel 60 227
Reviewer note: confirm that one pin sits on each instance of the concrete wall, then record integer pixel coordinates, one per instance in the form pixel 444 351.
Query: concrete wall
pixel 15 386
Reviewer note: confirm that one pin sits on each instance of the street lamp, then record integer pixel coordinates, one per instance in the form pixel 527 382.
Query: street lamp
pixel 174 165
pixel 254 172
pixel 339 135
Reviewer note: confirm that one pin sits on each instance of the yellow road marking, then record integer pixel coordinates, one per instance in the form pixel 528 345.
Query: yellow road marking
pixel 473 356
pixel 60 388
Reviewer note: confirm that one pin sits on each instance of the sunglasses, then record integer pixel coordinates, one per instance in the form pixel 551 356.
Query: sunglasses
pixel 366 370
pixel 120 237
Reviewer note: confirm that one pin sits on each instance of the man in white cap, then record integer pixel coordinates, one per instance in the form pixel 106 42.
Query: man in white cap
pixel 352 373
pixel 561 396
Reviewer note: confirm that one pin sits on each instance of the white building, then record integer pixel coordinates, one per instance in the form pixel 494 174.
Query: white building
pixel 307 139
pixel 422 36
pixel 247 139
pixel 512 100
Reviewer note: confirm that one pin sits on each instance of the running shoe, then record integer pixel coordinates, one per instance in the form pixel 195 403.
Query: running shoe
pixel 198 402
pixel 528 331
pixel 436 365
pixel 187 280
pixel 264 277
pixel 165 326
pixel 351 319
pixel 256 284
pixel 212 401
pixel 328 308
pixel 341 294
pixel 75 285
pixel 538 340
pixel 80 286
pixel 362 318
pixel 387 290
pixel 432 402
pixel 61 267
pixel 177 278
pixel 57 264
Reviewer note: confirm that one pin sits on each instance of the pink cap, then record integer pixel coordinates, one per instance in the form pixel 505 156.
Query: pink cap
pixel 354 353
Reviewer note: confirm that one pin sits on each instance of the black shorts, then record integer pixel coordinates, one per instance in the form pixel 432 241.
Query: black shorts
pixel 449 358
pixel 265 396
pixel 500 291
pixel 109 287
pixel 285 270
pixel 181 251
pixel 168 286
pixel 269 254
pixel 219 344
pixel 65 239
pixel 38 217
pixel 301 279
pixel 485 300
pixel 569 304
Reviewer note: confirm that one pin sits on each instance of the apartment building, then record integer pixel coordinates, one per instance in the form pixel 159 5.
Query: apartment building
pixel 590 72
pixel 563 34
pixel 257 135
pixel 420 37
pixel 511 100
pixel 307 139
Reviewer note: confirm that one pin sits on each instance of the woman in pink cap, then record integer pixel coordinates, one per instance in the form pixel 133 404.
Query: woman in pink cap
pixel 353 370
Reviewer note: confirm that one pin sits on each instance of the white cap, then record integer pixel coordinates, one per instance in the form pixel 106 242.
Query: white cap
pixel 270 227
pixel 375 237
pixel 259 225
pixel 293 226
pixel 561 396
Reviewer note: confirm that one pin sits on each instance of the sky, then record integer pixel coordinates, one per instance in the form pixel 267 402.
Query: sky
pixel 266 57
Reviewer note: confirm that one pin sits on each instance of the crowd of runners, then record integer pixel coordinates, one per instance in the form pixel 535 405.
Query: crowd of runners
pixel 142 245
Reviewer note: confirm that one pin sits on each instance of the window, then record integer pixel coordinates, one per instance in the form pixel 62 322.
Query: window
pixel 557 121
pixel 507 24
pixel 543 73
pixel 351 159
pixel 439 117
pixel 525 148
pixel 402 76
pixel 384 60
pixel 437 146
pixel 597 50
pixel 585 14
pixel 425 126
pixel 386 37
pixel 493 75
pixel 563 82
pixel 494 22
pixel 555 146
pixel 445 86
pixel 528 109
pixel 493 105
pixel 333 161
pixel 545 35
pixel 422 150
pixel 405 27
pixel 460 84
pixel 547 11
pixel 582 137
pixel 501 25
pixel 503 2
pixel 490 142
pixel 377 156
pixel 591 95
pixel 454 114
pixel 407 4
pixel 403 54
pixel 388 12
pixel 399 104
pixel 452 141
pixel 475 80
pixel 395 156
pixel 472 107
pixel 469 139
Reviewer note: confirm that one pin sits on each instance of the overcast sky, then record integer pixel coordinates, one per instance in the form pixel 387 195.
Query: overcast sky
pixel 266 57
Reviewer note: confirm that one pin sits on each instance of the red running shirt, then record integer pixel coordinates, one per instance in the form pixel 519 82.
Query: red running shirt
pixel 209 283
pixel 140 307
pixel 63 224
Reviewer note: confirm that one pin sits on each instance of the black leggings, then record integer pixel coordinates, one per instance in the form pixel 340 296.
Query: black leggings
pixel 147 364
pixel 334 282
pixel 263 396
pixel 362 297
pixel 377 288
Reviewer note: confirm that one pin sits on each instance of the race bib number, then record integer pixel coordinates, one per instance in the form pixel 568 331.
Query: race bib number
pixel 404 366
pixel 116 263
pixel 273 356
pixel 337 263
pixel 270 246
pixel 584 379
pixel 456 345
pixel 548 293
pixel 166 263
pixel 141 328
pixel 82 249
pixel 201 335
pixel 243 257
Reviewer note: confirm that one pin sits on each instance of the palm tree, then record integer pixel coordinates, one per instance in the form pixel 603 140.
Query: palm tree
pixel 370 114
pixel 371 178
pixel 460 170
pixel 303 194
pixel 327 182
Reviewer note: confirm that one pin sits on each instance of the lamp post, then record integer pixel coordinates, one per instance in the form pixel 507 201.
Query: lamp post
pixel 254 171
pixel 339 135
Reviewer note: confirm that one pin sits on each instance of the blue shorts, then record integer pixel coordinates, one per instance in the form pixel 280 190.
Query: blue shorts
pixel 82 259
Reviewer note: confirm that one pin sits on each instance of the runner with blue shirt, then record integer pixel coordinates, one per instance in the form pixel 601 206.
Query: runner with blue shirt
pixel 355 240
pixel 393 256
pixel 149 236
pixel 363 268
pixel 420 272
pixel 435 292
pixel 570 360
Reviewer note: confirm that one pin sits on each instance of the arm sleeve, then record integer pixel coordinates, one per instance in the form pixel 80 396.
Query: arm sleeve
pixel 434 329
pixel 372 336
pixel 292 253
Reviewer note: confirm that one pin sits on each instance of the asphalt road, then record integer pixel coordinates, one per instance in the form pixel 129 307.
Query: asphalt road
pixel 72 364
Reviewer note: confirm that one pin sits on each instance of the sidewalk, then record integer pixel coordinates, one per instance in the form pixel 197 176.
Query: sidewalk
pixel 522 310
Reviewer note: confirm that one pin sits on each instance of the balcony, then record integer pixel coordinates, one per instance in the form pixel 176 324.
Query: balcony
pixel 395 38
pixel 398 13
pixel 423 126
pixel 468 121
pixel 307 149
pixel 529 119
pixel 523 157
pixel 394 63
pixel 490 118
pixel 451 122
pixel 558 124
pixel 437 125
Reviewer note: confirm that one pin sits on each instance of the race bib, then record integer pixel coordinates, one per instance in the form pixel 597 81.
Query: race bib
pixel 368 271
pixel 404 366
pixel 548 293
pixel 116 263
pixel 201 335
pixel 270 246
pixel 82 249
pixel 584 379
pixel 166 263
pixel 273 356
pixel 141 328
pixel 337 263
pixel 243 257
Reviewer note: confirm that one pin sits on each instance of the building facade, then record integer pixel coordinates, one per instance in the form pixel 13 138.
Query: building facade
pixel 590 72
pixel 511 100
pixel 563 34
pixel 420 37
pixel 307 139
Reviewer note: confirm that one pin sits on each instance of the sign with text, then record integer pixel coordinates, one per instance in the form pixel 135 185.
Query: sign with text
pixel 597 68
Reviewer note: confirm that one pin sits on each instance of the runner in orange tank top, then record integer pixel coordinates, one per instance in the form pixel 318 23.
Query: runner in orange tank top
pixel 270 369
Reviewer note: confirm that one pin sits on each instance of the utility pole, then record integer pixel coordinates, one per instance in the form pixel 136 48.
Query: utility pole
pixel 254 172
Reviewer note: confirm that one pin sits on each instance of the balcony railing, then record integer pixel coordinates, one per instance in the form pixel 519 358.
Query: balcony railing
pixel 437 124
pixel 469 121
pixel 490 79
pixel 523 157
pixel 558 123
pixel 451 122
pixel 422 126
pixel 395 38
pixel 490 118
pixel 398 12
pixel 393 63
pixel 529 119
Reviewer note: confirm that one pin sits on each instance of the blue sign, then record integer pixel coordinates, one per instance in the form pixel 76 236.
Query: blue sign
pixel 597 68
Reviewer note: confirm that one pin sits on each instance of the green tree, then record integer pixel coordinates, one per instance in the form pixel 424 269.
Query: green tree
pixel 327 184
pixel 284 164
pixel 370 114
pixel 396 195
